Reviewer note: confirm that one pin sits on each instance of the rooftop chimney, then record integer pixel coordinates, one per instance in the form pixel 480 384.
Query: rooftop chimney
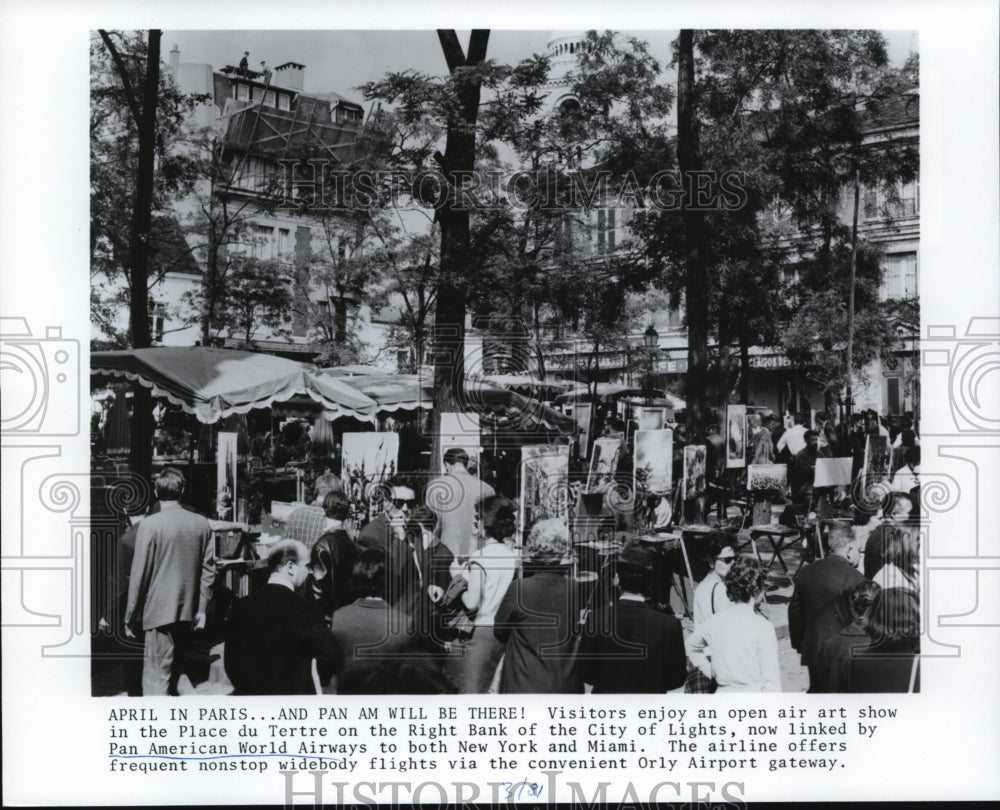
pixel 291 75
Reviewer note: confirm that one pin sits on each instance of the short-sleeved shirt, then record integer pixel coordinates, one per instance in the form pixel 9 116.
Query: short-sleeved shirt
pixel 498 561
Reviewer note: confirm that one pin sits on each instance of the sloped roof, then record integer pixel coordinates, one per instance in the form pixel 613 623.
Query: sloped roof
pixel 268 132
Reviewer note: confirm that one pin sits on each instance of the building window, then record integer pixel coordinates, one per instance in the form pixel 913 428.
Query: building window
pixel 900 276
pixel 606 230
pixel 346 115
pixel 263 242
pixel 284 242
pixel 157 320
pixel 893 396
pixel 284 102
pixel 902 203
pixel 242 92
pixel 269 99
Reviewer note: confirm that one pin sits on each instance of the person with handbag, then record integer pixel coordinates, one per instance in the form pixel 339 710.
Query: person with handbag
pixel 710 598
pixel 739 647
pixel 476 652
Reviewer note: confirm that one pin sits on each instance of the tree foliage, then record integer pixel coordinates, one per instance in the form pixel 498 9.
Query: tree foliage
pixel 114 156
pixel 793 112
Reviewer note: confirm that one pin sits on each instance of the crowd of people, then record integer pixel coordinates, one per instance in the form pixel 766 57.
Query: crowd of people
pixel 438 596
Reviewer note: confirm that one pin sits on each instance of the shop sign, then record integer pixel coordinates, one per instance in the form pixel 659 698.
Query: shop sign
pixel 770 361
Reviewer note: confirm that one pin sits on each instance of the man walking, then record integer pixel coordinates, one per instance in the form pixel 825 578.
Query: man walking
pixel 172 574
pixel 819 601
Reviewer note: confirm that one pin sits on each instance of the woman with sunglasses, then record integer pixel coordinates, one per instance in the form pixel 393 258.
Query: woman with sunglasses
pixel 710 595
pixel 710 598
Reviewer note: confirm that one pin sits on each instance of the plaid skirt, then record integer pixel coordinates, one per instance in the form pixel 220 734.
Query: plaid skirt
pixel 698 683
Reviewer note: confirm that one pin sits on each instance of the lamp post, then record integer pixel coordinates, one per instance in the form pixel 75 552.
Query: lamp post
pixel 651 340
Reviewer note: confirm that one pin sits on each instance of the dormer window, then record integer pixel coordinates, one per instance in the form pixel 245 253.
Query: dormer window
pixel 270 99
pixel 344 115
pixel 284 102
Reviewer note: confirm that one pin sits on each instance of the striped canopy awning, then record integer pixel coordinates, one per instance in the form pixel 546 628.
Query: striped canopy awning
pixel 215 383
pixel 606 392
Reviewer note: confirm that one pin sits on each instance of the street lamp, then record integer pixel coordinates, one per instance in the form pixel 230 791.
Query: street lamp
pixel 651 340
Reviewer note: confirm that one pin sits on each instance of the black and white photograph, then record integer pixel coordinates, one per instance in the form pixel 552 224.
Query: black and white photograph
pixel 279 216
pixel 358 303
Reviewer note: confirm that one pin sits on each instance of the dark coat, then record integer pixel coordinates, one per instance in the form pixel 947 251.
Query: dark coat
pixel 336 552
pixel 837 649
pixel 644 653
pixel 400 566
pixel 813 611
pixel 881 668
pixel 271 638
pixel 370 632
pixel 537 620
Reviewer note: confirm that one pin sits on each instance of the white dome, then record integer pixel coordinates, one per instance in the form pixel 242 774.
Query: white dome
pixel 562 50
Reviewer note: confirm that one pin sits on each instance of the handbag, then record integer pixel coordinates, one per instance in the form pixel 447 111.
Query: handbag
pixel 455 616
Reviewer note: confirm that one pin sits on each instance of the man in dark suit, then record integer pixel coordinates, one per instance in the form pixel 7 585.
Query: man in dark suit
pixel 386 533
pixel 817 606
pixel 842 646
pixel 634 648
pixel 273 635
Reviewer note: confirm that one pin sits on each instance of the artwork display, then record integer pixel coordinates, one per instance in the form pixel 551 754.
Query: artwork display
pixel 544 484
pixel 878 459
pixel 767 477
pixel 367 459
pixel 694 472
pixel 833 472
pixel 748 434
pixel 651 418
pixel 603 463
pixel 736 435
pixel 225 477
pixel 653 461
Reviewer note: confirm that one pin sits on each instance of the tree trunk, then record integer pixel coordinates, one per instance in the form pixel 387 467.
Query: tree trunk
pixel 340 321
pixel 458 159
pixel 744 369
pixel 725 361
pixel 850 303
pixel 210 285
pixel 141 453
pixel 697 283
